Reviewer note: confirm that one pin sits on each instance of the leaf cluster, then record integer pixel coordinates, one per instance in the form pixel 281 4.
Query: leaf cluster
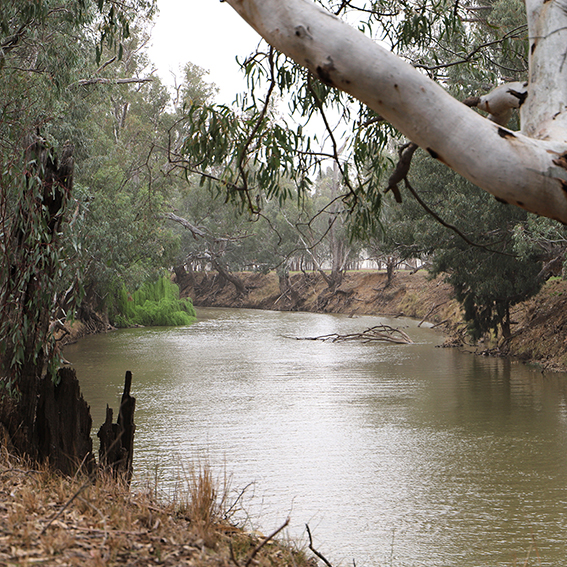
pixel 478 255
pixel 153 304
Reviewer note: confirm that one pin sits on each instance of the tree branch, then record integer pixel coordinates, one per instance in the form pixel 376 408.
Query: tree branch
pixel 401 170
pixel 317 553
pixel 105 81
pixel 447 225
pixel 264 542
pixel 514 167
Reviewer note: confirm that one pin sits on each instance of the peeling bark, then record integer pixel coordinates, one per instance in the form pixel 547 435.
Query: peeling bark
pixel 519 168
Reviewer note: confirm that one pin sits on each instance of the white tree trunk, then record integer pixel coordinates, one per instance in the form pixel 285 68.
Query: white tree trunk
pixel 544 115
pixel 527 169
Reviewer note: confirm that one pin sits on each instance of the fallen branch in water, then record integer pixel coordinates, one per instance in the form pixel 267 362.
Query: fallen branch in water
pixel 383 333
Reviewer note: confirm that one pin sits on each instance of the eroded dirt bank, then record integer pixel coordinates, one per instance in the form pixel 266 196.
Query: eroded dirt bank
pixel 539 329
pixel 360 293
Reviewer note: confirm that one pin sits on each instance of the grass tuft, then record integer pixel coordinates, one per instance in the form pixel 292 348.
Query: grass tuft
pixel 48 519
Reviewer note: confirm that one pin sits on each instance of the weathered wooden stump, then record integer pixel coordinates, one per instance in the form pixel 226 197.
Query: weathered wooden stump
pixel 116 450
pixel 63 424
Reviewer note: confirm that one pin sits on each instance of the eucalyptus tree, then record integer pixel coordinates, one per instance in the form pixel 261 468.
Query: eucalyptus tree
pixel 540 238
pixel 45 48
pixel 122 188
pixel 527 168
pixel 478 254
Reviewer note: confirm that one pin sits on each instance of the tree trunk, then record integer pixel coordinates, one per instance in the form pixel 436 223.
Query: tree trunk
pixel 527 169
pixel 223 272
pixel 184 278
pixel 29 301
pixel 63 424
pixel 283 278
pixel 116 452
pixel 391 264
pixel 337 244
pixel 505 325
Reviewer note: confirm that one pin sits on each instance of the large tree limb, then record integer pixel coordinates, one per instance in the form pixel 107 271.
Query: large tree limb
pixel 194 230
pixel 528 170
pixel 544 115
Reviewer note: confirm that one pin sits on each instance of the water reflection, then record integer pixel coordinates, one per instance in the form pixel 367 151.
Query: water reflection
pixel 403 455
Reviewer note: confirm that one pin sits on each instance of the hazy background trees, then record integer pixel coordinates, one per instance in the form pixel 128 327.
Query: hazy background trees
pixel 290 177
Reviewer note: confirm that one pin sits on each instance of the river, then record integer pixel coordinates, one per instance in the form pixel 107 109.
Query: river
pixel 395 455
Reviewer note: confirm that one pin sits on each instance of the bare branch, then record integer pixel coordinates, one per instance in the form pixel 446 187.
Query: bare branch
pixel 378 333
pixel 106 64
pixel 402 168
pixel 196 232
pixel 105 81
pixel 317 553
pixel 265 541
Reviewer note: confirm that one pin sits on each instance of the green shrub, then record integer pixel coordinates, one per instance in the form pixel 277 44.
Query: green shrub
pixel 155 304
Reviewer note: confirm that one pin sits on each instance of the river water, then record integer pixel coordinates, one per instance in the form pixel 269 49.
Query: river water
pixel 395 455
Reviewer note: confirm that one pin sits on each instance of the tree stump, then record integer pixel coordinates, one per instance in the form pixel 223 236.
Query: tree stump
pixel 63 424
pixel 116 450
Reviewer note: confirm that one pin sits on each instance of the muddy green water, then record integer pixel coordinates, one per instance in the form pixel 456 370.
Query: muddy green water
pixel 394 455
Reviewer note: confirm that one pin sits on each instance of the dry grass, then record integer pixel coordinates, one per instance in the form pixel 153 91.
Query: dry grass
pixel 47 519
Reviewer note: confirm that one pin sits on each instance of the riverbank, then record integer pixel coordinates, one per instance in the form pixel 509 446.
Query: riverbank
pixel 49 519
pixel 539 325
pixel 360 293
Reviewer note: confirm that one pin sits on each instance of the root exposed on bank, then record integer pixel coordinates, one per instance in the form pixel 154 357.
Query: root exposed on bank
pixel 382 333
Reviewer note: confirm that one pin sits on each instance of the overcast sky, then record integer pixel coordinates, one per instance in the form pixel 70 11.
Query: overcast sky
pixel 205 32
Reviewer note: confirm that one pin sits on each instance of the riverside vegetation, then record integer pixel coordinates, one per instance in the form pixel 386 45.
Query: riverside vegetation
pixel 51 519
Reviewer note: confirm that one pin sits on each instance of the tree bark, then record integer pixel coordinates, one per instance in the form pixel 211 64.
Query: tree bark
pixel 63 424
pixel 228 276
pixel 49 182
pixel 116 451
pixel 544 114
pixel 526 169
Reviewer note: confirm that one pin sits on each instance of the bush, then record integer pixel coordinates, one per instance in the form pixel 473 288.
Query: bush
pixel 155 304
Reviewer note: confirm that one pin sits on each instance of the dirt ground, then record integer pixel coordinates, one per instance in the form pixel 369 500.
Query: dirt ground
pixel 539 330
pixel 360 293
pixel 540 327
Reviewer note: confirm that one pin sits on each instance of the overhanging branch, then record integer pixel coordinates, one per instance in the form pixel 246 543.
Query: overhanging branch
pixel 105 81
pixel 517 169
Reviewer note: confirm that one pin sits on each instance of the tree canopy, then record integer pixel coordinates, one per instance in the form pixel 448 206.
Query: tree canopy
pixel 110 181
pixel 526 168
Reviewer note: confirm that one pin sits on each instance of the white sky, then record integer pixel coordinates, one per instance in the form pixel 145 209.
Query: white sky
pixel 205 32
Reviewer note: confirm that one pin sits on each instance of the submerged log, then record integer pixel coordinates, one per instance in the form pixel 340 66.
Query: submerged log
pixel 383 333
pixel 116 452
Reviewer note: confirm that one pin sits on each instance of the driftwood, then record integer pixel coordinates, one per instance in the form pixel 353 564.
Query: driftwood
pixel 116 450
pixel 428 314
pixel 383 333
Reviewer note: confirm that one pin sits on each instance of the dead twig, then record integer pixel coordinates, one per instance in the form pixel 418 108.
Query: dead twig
pixel 233 505
pixel 434 308
pixel 265 541
pixel 317 553
pixel 83 487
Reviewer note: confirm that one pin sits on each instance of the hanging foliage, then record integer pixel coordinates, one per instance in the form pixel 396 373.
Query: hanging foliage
pixel 154 304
